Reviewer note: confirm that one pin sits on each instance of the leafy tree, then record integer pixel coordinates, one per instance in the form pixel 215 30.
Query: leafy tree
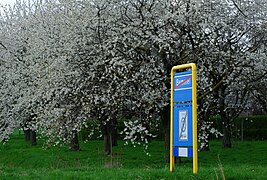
pixel 68 61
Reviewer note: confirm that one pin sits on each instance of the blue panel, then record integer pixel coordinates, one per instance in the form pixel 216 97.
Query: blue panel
pixel 182 90
pixel 190 152
pixel 182 125
pixel 175 151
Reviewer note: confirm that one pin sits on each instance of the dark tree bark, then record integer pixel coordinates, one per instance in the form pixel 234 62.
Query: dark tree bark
pixel 226 131
pixel 107 144
pixel 30 137
pixel 114 136
pixel 74 144
pixel 33 139
pixel 165 118
pixel 107 133
pixel 226 125
pixel 110 134
pixel 27 135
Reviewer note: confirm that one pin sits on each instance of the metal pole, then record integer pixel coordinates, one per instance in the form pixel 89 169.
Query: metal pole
pixel 171 125
pixel 194 107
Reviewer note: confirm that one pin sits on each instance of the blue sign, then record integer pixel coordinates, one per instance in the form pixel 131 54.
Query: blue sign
pixel 182 125
pixel 182 114
pixel 182 86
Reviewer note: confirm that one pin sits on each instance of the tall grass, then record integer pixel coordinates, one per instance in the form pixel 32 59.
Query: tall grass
pixel 18 160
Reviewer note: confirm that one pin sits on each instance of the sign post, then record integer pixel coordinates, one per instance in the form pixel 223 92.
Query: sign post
pixel 183 117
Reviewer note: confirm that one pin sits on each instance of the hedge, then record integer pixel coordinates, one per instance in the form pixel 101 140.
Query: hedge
pixel 253 127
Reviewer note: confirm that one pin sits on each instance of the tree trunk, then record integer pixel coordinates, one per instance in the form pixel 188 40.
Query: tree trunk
pixel 165 118
pixel 110 134
pixel 226 126
pixel 107 143
pixel 27 135
pixel 30 137
pixel 226 133
pixel 107 139
pixel 33 139
pixel 74 144
pixel 114 133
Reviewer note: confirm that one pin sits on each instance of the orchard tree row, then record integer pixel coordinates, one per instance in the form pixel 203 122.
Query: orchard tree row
pixel 65 62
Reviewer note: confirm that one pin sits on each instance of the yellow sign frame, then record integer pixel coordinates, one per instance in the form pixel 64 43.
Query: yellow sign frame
pixel 194 112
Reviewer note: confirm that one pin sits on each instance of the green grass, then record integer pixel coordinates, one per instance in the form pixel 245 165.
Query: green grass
pixel 18 160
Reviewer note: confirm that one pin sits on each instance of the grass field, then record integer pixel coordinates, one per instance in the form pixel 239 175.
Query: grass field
pixel 18 160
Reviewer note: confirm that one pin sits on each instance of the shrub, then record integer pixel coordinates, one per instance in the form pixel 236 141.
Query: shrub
pixel 245 127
